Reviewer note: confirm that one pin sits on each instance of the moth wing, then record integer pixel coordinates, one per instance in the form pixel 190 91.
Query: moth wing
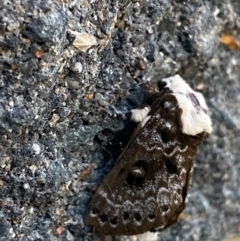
pixel 146 189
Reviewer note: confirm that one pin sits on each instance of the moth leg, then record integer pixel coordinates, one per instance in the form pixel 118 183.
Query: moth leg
pixel 150 94
pixel 142 114
pixel 139 114
pixel 153 93
pixel 149 87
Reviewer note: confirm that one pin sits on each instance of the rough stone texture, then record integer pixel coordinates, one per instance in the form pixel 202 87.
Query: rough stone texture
pixel 62 108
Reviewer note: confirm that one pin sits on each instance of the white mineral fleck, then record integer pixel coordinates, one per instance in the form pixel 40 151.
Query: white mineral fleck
pixel 26 186
pixel 76 67
pixel 33 169
pixel 36 148
pixel 54 120
pixel 145 236
pixel 83 41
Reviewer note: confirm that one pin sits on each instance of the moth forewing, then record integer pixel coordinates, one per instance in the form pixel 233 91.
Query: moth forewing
pixel 147 188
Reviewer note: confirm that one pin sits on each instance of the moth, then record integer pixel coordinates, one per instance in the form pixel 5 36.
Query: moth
pixel 147 188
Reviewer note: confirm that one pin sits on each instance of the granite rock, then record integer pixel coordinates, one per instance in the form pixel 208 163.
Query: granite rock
pixel 63 108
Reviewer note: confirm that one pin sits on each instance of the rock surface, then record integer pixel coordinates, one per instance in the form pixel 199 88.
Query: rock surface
pixel 70 72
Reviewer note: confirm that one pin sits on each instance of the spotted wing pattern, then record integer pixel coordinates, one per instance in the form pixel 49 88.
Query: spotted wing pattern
pixel 146 189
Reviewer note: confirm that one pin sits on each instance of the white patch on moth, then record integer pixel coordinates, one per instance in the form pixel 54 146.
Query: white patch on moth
pixel 143 123
pixel 195 118
pixel 145 236
pixel 36 148
pixel 168 125
pixel 138 115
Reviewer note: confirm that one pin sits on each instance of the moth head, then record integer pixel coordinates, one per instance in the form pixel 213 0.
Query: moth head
pixel 195 118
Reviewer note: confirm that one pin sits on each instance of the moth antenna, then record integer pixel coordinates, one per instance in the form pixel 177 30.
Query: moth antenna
pixel 111 157
pixel 108 186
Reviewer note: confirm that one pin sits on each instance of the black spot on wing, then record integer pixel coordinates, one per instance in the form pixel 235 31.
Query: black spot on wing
pixel 165 135
pixel 133 180
pixel 142 164
pixel 165 208
pixel 103 217
pixel 171 167
pixel 114 221
pixel 137 217
pixel 126 216
pixel 137 173
pixel 95 210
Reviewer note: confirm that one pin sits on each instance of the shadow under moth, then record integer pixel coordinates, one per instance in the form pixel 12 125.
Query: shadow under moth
pixel 147 188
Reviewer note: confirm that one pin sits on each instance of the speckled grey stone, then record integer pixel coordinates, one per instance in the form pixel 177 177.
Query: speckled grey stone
pixel 62 124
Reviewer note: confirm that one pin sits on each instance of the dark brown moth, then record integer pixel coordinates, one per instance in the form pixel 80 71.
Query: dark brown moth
pixel 147 188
